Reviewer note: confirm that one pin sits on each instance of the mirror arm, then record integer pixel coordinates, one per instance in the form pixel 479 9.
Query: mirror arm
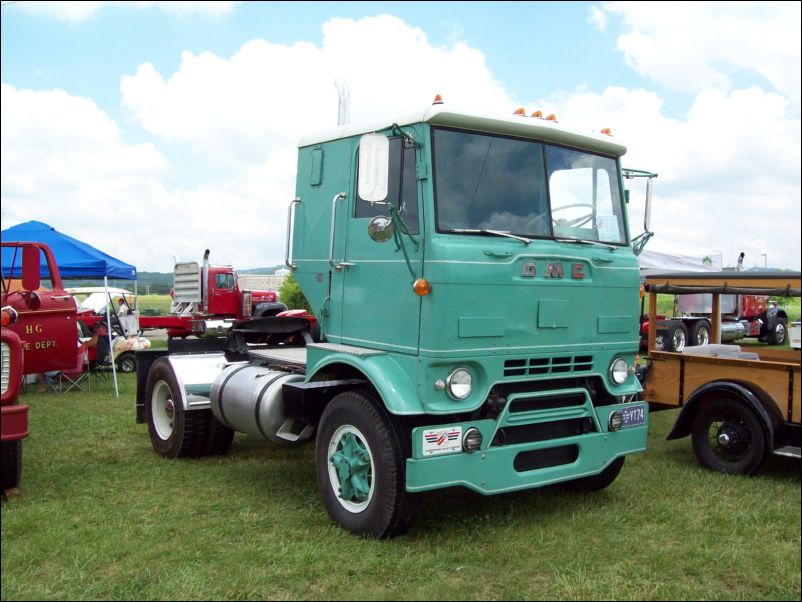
pixel 396 129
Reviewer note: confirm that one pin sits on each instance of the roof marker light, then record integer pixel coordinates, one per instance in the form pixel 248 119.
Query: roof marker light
pixel 551 117
pixel 607 131
pixel 538 114
pixel 438 100
pixel 520 112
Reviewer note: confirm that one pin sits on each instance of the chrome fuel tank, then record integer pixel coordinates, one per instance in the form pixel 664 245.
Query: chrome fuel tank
pixel 247 398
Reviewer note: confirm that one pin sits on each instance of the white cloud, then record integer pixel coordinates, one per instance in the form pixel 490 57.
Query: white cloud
pixel 694 46
pixel 76 12
pixel 729 168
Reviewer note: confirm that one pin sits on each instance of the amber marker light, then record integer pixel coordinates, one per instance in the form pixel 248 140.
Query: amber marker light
pixel 538 114
pixel 607 131
pixel 438 100
pixel 642 291
pixel 422 287
pixel 520 112
pixel 551 117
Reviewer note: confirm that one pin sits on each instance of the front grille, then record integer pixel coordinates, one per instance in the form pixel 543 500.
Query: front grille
pixel 529 404
pixel 544 458
pixel 6 366
pixel 535 366
pixel 543 431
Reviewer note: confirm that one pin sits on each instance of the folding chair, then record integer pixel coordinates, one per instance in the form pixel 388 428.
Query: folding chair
pixel 76 377
pixel 100 366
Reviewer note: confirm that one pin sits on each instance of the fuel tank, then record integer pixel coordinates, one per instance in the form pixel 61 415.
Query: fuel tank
pixel 248 399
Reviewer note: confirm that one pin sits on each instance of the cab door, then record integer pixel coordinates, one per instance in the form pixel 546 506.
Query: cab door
pixel 46 322
pixel 225 298
pixel 380 309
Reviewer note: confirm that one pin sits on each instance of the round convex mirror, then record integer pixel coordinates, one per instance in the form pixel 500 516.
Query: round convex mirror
pixel 381 228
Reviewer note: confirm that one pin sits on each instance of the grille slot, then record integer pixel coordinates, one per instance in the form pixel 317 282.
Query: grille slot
pixel 535 366
pixel 545 458
pixel 529 404
pixel 542 431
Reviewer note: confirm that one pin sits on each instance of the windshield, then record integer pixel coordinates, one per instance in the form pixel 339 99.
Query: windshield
pixel 524 187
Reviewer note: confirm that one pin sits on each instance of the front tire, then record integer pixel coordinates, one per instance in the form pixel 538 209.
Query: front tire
pixel 599 481
pixel 127 363
pixel 11 463
pixel 728 437
pixel 360 459
pixel 779 332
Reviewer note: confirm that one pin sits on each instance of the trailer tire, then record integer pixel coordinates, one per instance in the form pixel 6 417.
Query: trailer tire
pixel 599 481
pixel 11 463
pixel 174 432
pixel 727 436
pixel 778 332
pixel 360 458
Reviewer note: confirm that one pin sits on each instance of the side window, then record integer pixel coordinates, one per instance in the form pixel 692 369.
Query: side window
pixel 402 187
pixel 225 281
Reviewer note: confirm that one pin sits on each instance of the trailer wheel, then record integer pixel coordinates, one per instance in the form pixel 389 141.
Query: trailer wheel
pixel 127 362
pixel 360 459
pixel 12 463
pixel 700 334
pixel 727 436
pixel 174 432
pixel 779 332
pixel 599 481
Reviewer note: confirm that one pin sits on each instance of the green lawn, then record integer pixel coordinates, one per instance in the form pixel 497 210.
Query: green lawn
pixel 100 516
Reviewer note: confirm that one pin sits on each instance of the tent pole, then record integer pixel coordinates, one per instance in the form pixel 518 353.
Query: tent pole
pixel 108 329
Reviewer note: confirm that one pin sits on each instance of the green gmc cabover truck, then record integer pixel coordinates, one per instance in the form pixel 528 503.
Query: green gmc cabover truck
pixel 476 298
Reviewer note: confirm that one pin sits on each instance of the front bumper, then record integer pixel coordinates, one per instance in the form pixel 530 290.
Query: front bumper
pixel 504 468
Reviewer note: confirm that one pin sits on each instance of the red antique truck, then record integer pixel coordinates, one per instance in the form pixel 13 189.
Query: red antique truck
pixel 40 334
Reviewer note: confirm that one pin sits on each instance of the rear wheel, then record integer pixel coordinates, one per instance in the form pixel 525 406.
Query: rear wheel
pixel 174 432
pixel 779 332
pixel 700 334
pixel 727 436
pixel 360 458
pixel 676 337
pixel 127 362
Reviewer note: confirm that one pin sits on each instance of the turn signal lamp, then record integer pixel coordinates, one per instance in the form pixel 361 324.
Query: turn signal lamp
pixel 521 112
pixel 9 316
pixel 472 440
pixel 538 114
pixel 438 100
pixel 422 287
pixel 551 117
pixel 616 421
pixel 607 131
pixel 642 291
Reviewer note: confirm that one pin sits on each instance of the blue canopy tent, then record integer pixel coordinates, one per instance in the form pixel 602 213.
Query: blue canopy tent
pixel 75 259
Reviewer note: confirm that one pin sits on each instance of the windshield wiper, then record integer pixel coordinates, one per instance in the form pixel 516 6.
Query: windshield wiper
pixel 582 241
pixel 526 241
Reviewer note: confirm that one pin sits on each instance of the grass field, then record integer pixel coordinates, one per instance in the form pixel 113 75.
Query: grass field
pixel 100 516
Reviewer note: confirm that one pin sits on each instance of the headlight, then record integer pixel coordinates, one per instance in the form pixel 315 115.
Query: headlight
pixel 458 383
pixel 619 371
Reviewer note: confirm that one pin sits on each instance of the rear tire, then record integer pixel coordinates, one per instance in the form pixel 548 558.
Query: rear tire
pixel 728 437
pixel 11 463
pixel 676 337
pixel 174 432
pixel 360 458
pixel 779 332
pixel 700 334
pixel 127 363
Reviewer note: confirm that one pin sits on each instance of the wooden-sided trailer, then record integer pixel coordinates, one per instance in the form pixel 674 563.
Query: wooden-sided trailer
pixel 737 404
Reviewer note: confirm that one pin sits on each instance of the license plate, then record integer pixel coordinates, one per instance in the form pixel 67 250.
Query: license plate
pixel 634 415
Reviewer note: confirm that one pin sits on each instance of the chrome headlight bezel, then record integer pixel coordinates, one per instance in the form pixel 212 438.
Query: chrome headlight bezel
pixel 619 371
pixel 456 380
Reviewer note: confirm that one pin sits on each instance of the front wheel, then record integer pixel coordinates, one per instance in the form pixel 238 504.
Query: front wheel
pixel 598 481
pixel 12 463
pixel 360 459
pixel 127 363
pixel 778 332
pixel 727 436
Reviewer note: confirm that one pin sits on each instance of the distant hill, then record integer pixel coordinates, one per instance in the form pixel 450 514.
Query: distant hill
pixel 155 283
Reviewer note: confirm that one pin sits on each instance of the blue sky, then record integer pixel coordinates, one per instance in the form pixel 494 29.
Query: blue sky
pixel 115 111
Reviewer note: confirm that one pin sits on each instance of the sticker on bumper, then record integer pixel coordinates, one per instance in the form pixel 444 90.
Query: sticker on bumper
pixel 442 441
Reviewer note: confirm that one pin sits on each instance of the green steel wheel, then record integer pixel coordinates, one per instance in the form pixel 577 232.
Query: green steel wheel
pixel 360 458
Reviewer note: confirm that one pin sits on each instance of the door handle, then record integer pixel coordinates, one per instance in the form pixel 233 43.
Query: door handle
pixel 498 255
